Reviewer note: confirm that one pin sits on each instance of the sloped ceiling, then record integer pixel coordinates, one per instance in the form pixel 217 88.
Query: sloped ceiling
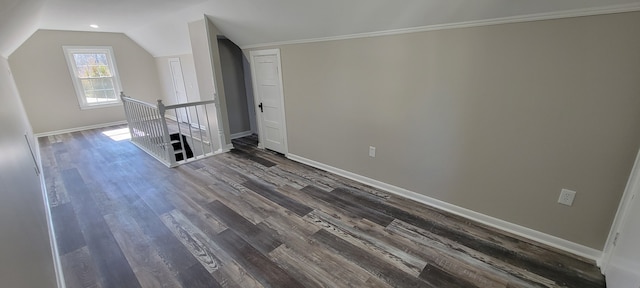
pixel 160 26
pixel 18 20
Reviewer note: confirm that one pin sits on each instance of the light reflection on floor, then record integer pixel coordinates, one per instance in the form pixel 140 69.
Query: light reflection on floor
pixel 118 134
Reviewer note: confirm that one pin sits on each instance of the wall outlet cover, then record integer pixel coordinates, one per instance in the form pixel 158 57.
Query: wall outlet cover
pixel 566 197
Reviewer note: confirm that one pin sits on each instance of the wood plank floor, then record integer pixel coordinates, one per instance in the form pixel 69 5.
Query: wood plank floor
pixel 251 218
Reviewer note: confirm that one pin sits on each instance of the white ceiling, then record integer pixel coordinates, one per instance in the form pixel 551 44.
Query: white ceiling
pixel 160 26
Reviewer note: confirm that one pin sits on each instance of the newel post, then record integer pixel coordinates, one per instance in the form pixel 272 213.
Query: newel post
pixel 169 152
pixel 161 108
pixel 127 113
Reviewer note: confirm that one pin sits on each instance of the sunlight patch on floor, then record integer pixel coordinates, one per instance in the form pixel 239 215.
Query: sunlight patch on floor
pixel 118 134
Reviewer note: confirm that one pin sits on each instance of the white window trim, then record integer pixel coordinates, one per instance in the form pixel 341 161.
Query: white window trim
pixel 82 100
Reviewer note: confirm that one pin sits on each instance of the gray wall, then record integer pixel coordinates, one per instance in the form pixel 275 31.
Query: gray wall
pixel 234 86
pixel 204 46
pixel 25 252
pixel 497 119
pixel 46 88
pixel 246 66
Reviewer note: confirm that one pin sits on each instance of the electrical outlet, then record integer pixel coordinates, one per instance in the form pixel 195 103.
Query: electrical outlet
pixel 372 151
pixel 566 197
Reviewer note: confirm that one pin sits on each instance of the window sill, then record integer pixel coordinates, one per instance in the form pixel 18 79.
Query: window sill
pixel 97 106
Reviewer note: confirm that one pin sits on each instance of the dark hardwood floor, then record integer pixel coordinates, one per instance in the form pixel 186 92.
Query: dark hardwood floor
pixel 251 218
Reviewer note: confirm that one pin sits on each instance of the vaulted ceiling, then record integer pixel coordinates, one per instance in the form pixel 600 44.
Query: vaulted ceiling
pixel 160 26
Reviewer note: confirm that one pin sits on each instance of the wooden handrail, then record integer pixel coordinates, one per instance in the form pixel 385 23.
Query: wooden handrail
pixel 123 97
pixel 189 104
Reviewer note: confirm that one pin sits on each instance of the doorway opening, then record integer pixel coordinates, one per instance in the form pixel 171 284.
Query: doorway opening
pixel 179 88
pixel 237 89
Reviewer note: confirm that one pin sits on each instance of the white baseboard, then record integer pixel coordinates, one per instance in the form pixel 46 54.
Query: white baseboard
pixel 57 263
pixel 76 129
pixel 226 148
pixel 194 125
pixel 540 237
pixel 241 134
pixel 171 117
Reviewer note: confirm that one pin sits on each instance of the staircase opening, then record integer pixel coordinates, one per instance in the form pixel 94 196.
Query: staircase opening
pixel 164 136
pixel 180 151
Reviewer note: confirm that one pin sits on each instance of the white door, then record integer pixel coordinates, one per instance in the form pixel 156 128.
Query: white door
pixel 179 88
pixel 269 99
pixel 623 267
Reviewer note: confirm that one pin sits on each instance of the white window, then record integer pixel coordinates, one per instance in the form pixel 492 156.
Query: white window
pixel 95 76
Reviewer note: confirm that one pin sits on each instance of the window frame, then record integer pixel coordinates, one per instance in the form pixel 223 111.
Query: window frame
pixel 69 51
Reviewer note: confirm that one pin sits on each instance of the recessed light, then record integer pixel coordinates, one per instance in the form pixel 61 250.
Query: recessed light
pixel 94 26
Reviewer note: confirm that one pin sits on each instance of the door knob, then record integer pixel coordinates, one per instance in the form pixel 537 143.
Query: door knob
pixel 261 111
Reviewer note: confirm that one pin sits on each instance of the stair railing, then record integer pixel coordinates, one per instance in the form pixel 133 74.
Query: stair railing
pixel 169 137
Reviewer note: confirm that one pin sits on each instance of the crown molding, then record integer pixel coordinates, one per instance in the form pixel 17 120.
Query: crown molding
pixel 487 22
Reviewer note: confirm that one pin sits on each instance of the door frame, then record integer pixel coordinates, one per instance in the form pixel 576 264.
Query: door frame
pixel 175 89
pixel 258 98
pixel 630 191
